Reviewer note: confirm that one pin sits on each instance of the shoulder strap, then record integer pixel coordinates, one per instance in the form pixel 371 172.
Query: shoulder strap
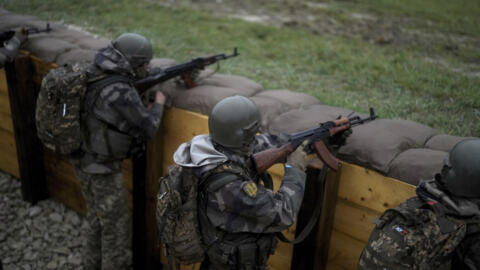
pixel 316 212
pixel 107 80
pixel 220 176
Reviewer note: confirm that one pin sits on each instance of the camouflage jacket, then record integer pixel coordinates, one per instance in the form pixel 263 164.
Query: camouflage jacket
pixel 116 119
pixel 244 205
pixel 430 231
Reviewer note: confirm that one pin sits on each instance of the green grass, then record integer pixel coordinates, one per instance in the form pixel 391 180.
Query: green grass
pixel 349 73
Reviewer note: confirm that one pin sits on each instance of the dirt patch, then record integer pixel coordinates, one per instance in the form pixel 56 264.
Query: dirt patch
pixel 324 19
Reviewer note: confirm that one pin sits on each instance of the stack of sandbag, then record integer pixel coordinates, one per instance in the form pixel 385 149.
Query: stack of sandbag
pixel 397 148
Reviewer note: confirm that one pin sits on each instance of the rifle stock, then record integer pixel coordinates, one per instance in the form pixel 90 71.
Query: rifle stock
pixel 269 157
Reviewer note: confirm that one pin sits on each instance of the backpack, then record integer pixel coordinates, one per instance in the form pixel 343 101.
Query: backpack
pixel 60 104
pixel 177 212
pixel 415 235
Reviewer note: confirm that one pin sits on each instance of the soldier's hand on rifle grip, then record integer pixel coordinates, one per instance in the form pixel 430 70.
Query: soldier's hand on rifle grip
pixel 339 139
pixel 160 98
pixel 298 158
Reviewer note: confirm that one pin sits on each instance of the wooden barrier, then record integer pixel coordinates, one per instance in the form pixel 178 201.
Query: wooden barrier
pixel 355 195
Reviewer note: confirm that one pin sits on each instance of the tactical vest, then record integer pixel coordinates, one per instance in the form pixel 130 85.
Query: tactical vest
pixel 103 139
pixel 242 251
pixel 415 235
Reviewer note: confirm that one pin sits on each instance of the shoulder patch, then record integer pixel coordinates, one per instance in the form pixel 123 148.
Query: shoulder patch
pixel 250 188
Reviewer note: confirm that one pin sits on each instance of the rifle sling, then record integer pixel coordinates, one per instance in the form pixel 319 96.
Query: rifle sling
pixel 315 215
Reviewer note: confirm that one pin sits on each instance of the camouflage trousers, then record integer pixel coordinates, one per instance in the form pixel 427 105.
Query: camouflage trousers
pixel 109 231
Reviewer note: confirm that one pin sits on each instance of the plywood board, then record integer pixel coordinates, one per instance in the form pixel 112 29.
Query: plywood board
pixel 4 103
pixel 371 189
pixel 3 82
pixel 354 220
pixel 8 155
pixel 344 251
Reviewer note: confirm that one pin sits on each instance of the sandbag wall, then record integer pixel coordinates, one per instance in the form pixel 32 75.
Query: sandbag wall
pixel 384 150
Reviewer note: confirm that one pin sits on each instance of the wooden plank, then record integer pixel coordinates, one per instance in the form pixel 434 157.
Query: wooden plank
pixel 5 103
pixel 326 219
pixel 6 122
pixel 372 190
pixel 62 184
pixel 344 251
pixel 23 95
pixel 3 82
pixel 354 220
pixel 40 68
pixel 8 155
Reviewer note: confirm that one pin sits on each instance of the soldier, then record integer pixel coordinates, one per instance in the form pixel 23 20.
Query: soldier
pixel 440 227
pixel 238 216
pixel 10 43
pixel 117 124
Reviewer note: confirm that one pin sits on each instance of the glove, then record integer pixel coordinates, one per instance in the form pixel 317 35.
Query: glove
pixel 298 158
pixel 339 139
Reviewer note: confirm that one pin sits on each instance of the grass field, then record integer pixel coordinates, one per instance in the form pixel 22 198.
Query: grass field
pixel 433 77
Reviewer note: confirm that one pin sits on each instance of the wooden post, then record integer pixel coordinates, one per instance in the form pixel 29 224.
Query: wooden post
pixel 304 252
pixel 138 194
pixel 325 226
pixel 23 98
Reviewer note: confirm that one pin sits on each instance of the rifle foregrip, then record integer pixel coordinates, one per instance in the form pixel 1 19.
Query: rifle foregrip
pixel 268 158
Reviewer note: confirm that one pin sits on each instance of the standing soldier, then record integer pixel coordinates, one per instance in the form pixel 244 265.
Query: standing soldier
pixel 117 124
pixel 238 216
pixel 437 229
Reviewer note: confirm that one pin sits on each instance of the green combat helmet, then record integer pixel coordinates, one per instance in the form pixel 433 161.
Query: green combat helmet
pixel 136 48
pixel 461 171
pixel 233 123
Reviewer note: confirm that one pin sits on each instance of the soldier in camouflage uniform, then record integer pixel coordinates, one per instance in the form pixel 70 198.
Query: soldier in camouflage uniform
pixel 239 217
pixel 117 123
pixel 437 229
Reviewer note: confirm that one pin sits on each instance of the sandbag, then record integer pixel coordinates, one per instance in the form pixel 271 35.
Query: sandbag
pixel 244 85
pixel 374 146
pixel 416 164
pixel 443 142
pixel 202 98
pixel 47 48
pixel 294 100
pixel 269 110
pixel 305 118
pixel 75 55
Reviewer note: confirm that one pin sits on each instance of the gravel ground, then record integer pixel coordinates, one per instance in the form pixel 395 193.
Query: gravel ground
pixel 42 236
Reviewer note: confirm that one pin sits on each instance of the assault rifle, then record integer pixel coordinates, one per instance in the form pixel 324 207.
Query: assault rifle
pixel 269 157
pixel 7 35
pixel 186 71
pixel 34 30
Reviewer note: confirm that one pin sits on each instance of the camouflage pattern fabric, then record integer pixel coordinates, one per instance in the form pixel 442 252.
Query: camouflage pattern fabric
pixel 58 108
pixel 176 215
pixel 244 205
pixel 413 236
pixel 246 214
pixel 108 233
pixel 117 122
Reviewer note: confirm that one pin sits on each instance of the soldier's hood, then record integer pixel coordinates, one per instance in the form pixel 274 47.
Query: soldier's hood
pixel 110 60
pixel 198 152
